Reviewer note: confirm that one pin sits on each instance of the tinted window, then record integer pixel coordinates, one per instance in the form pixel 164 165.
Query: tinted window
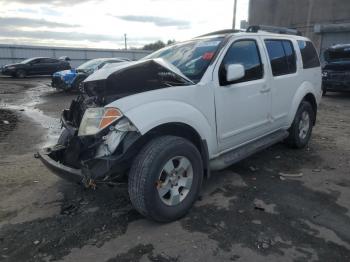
pixel 246 53
pixel 282 57
pixel 48 60
pixel 308 54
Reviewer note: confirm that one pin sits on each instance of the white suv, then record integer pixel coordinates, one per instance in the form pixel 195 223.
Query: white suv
pixel 163 123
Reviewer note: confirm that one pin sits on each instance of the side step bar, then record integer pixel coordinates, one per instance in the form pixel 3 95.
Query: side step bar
pixel 244 151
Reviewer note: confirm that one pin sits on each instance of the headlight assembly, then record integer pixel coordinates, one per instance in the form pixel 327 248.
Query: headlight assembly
pixel 97 119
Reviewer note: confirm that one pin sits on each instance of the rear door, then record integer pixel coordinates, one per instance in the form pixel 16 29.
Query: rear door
pixel 284 77
pixel 50 65
pixel 243 106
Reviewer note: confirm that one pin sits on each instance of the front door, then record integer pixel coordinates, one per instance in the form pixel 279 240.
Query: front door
pixel 242 107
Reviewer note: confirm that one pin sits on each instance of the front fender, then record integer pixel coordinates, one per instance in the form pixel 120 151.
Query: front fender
pixel 303 90
pixel 148 116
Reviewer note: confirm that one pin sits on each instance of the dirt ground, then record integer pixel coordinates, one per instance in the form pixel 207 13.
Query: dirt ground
pixel 247 212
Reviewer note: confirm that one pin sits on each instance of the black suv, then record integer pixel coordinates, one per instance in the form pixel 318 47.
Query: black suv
pixel 35 66
pixel 336 71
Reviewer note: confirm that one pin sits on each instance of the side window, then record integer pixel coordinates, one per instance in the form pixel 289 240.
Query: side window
pixel 49 61
pixel 308 54
pixel 246 53
pixel 282 57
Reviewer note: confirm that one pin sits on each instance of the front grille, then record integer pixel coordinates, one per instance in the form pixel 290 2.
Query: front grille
pixel 339 76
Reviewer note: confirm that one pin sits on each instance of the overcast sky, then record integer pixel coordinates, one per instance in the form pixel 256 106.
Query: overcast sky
pixel 102 23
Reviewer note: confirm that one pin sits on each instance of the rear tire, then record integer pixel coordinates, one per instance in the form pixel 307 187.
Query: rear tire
pixel 165 178
pixel 301 129
pixel 21 74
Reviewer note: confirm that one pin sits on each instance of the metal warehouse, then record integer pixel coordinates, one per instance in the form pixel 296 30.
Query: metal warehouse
pixel 16 53
pixel 326 22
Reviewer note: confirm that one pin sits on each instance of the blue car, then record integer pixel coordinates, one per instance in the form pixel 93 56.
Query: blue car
pixel 70 79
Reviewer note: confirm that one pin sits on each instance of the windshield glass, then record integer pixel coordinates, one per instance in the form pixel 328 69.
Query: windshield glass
pixel 27 60
pixel 92 64
pixel 192 58
pixel 338 55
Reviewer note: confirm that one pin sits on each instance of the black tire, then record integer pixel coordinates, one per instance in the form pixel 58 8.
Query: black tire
pixel 295 139
pixel 21 73
pixel 145 171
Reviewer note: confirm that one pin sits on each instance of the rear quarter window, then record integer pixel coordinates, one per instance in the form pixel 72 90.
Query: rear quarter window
pixel 308 54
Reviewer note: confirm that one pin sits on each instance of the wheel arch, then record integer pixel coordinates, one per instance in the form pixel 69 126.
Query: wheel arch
pixel 181 130
pixel 306 92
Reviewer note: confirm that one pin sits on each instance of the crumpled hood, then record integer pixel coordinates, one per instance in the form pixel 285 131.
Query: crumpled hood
pixel 130 78
pixel 337 66
pixel 104 73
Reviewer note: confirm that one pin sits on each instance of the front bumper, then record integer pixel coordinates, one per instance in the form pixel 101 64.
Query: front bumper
pixel 8 72
pixel 58 83
pixel 334 85
pixel 49 157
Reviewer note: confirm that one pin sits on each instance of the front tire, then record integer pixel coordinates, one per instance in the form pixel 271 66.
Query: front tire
pixel 165 178
pixel 21 74
pixel 301 129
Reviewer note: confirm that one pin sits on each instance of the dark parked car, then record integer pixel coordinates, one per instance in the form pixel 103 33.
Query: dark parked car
pixel 336 72
pixel 69 80
pixel 35 66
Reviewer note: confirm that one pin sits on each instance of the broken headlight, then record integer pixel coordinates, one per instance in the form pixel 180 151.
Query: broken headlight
pixel 97 119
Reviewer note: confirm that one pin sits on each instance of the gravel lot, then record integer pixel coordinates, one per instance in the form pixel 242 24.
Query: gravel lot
pixel 247 212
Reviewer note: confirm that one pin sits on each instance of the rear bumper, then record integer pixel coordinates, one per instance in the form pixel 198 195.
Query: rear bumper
pixel 48 157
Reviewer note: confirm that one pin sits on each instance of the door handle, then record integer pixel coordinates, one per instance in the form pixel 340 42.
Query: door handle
pixel 265 89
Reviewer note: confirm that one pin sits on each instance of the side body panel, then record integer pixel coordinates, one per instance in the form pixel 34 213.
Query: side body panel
pixel 242 109
pixel 191 105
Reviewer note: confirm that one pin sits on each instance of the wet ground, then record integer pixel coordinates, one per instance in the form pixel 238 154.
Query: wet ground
pixel 248 212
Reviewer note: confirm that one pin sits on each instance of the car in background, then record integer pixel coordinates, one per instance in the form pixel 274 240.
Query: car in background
pixel 71 79
pixel 35 66
pixel 336 71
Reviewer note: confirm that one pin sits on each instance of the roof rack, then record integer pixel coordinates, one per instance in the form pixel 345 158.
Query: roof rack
pixel 273 29
pixel 222 32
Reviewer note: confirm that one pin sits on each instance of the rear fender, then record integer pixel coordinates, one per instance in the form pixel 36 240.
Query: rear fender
pixel 305 89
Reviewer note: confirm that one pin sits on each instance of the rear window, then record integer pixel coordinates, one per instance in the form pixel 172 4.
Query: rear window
pixel 308 54
pixel 282 57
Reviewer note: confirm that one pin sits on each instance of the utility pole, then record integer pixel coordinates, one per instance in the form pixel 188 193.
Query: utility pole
pixel 234 14
pixel 126 47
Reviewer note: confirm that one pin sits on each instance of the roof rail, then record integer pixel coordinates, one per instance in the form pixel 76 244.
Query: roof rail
pixel 222 32
pixel 273 29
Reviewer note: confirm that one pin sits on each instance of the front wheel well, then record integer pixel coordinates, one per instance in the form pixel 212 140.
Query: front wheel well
pixel 181 130
pixel 312 100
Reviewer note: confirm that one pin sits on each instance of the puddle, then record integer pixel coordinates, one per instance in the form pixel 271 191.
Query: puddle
pixel 27 106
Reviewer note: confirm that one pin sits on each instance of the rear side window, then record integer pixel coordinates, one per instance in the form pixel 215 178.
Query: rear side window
pixel 282 57
pixel 246 53
pixel 308 54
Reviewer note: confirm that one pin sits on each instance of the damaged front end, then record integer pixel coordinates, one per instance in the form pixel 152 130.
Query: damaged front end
pixel 95 154
pixel 98 142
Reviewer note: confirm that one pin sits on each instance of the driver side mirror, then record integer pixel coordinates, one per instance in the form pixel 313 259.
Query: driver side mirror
pixel 234 72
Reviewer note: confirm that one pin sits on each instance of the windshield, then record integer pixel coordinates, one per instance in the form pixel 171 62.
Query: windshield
pixel 92 64
pixel 192 58
pixel 27 60
pixel 338 55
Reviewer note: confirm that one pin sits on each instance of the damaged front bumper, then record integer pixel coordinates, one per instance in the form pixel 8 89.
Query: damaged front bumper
pixel 83 161
pixel 50 158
